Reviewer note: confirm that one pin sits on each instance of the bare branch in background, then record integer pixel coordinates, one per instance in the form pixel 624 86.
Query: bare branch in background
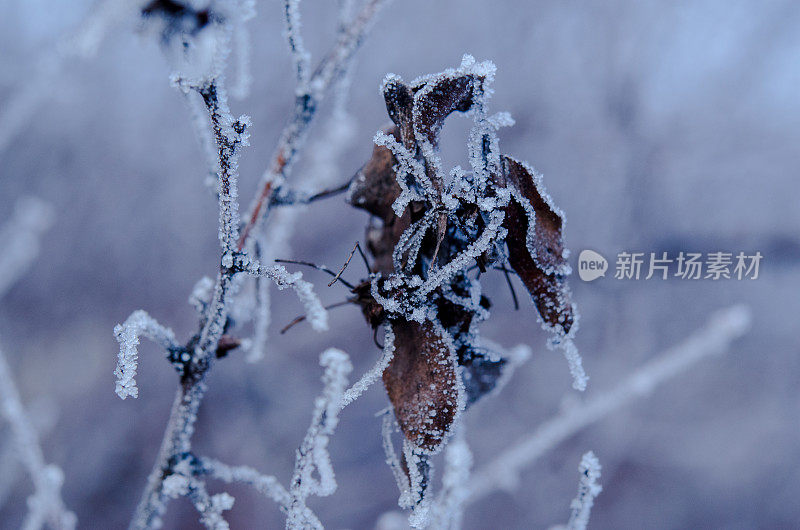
pixel 713 339
pixel 81 43
pixel 19 240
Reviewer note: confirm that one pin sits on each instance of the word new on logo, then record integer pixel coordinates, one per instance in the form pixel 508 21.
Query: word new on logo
pixel 591 265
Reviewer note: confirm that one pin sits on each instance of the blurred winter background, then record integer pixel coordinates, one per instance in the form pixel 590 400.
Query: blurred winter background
pixel 659 126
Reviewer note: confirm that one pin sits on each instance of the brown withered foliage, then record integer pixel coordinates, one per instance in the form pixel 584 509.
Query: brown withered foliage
pixel 430 229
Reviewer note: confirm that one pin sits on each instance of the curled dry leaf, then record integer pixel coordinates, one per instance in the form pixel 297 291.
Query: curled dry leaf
pixel 536 247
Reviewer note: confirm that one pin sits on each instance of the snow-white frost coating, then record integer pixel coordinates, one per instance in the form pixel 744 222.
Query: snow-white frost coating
pixel 127 334
pixel 316 314
pixel 312 456
pixel 374 373
pixel 447 510
pixel 588 490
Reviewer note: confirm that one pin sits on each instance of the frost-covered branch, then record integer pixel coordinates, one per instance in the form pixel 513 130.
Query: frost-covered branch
pixel 267 485
pixel 199 48
pixel 316 314
pixel 127 334
pixel 713 339
pixel 229 136
pixel 333 66
pixel 374 373
pixel 312 456
pixel 588 490
pixel 45 505
pixel 19 240
pixel 298 52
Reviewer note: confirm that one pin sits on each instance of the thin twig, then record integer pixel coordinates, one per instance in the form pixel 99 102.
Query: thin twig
pixel 292 198
pixel 364 259
pixel 510 286
pixel 329 69
pixel 301 318
pixel 346 263
pixel 320 268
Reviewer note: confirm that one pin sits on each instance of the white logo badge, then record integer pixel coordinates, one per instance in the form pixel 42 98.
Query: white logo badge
pixel 591 265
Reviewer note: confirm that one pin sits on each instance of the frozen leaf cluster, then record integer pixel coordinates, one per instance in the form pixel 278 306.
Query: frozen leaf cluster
pixel 431 227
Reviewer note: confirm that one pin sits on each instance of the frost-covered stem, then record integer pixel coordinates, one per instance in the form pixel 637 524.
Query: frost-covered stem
pixel 374 373
pixel 229 136
pixel 295 132
pixel 316 314
pixel 713 339
pixel 177 441
pixel 447 511
pixel 312 456
pixel 213 323
pixel 300 56
pixel 588 490
pixel 45 504
pixel 267 485
pixel 127 334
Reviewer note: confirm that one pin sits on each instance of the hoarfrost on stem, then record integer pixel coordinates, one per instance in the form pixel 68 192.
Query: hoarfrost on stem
pixel 197 39
pixel 127 334
pixel 588 490
pixel 312 456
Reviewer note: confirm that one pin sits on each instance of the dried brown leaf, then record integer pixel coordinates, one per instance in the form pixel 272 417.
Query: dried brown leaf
pixel 422 383
pixel 539 261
